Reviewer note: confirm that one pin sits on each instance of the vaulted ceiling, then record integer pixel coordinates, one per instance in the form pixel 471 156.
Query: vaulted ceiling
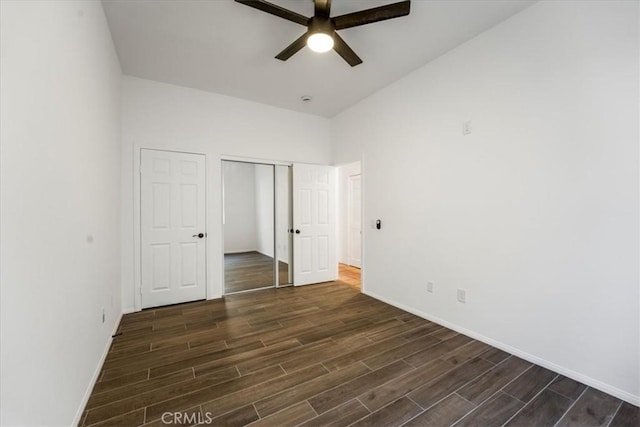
pixel 225 47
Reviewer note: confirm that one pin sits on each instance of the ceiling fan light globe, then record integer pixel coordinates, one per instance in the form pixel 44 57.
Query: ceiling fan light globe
pixel 320 42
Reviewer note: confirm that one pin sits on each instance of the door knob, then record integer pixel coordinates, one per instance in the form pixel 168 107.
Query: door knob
pixel 297 231
pixel 199 235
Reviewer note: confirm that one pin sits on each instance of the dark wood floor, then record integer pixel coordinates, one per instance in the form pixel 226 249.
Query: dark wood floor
pixel 325 355
pixel 251 270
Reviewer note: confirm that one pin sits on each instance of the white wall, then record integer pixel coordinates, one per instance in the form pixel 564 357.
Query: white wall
pixel 535 213
pixel 342 193
pixel 157 115
pixel 60 172
pixel 264 176
pixel 240 231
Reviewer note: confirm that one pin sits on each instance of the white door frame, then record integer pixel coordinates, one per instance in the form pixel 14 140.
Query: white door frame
pixel 363 223
pixel 137 218
pixel 349 208
pixel 363 226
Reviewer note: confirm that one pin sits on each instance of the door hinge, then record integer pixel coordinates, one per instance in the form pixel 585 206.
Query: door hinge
pixel 140 169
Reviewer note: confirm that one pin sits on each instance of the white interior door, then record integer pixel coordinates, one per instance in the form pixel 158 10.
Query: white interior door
pixel 314 224
pixel 172 209
pixel 355 221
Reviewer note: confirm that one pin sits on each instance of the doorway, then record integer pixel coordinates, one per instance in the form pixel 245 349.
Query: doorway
pixel 256 226
pixel 354 221
pixel 350 223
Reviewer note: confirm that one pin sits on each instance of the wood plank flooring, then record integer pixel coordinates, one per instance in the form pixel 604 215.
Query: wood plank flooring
pixel 251 270
pixel 325 355
pixel 349 275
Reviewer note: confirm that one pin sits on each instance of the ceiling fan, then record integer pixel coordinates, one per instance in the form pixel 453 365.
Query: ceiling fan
pixel 321 35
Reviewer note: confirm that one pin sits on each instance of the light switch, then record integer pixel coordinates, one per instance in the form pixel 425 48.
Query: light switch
pixel 466 127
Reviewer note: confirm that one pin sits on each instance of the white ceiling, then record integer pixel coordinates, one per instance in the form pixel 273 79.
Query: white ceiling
pixel 225 47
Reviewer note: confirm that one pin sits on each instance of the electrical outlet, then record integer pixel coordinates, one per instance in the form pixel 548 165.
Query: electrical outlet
pixel 462 296
pixel 430 287
pixel 103 315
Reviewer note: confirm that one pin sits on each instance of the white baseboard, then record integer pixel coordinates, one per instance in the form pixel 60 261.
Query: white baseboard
pixel 264 253
pixel 96 373
pixel 286 261
pixel 591 382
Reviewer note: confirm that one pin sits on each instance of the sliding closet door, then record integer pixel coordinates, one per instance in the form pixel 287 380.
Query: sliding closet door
pixel 248 226
pixel 284 237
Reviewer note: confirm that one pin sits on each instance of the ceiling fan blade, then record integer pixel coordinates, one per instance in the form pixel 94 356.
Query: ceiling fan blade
pixel 322 8
pixel 369 16
pixel 343 49
pixel 276 10
pixel 294 47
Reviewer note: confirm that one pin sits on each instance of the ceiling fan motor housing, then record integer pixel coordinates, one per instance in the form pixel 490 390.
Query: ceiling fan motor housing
pixel 321 25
